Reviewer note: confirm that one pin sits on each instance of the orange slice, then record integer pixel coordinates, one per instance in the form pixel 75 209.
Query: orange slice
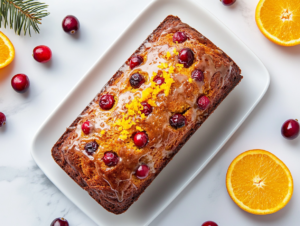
pixel 7 51
pixel 259 182
pixel 279 21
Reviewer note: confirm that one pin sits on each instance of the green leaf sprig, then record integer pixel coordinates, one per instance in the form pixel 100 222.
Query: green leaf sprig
pixel 22 15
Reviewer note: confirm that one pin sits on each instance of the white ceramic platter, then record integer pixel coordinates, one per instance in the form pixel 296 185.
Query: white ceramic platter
pixel 198 151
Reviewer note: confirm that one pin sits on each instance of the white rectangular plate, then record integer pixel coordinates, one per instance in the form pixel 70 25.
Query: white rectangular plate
pixel 198 151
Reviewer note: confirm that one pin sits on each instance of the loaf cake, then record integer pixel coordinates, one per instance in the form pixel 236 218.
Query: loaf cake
pixel 146 112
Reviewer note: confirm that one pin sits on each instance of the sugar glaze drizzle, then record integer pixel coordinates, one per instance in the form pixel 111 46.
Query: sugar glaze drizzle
pixel 163 139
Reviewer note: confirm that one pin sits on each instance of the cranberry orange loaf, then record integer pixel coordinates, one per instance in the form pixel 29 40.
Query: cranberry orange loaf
pixel 145 114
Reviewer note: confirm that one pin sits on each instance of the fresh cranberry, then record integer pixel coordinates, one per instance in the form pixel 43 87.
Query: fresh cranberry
pixel 159 80
pixel 290 129
pixel 86 127
pixel 142 171
pixel 186 57
pixel 203 102
pixel 228 2
pixel 91 147
pixel 42 54
pixel 135 61
pixel 209 223
pixel 179 37
pixel 20 83
pixel 140 139
pixel 110 158
pixel 106 101
pixel 198 75
pixel 71 24
pixel 177 121
pixel 2 119
pixel 59 222
pixel 136 80
pixel 147 108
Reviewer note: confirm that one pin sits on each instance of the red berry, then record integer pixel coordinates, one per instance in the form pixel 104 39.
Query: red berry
pixel 71 24
pixel 135 61
pixel 142 171
pixel 186 57
pixel 209 223
pixel 159 80
pixel 198 75
pixel 86 127
pixel 147 108
pixel 42 54
pixel 136 80
pixel 106 101
pixel 91 147
pixel 177 121
pixel 59 222
pixel 203 102
pixel 2 119
pixel 290 129
pixel 110 158
pixel 140 139
pixel 179 37
pixel 20 83
pixel 228 2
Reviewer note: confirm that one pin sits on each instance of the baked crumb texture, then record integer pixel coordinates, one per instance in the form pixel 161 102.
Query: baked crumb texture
pixel 116 188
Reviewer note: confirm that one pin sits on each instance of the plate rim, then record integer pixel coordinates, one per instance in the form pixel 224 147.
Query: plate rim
pixel 91 68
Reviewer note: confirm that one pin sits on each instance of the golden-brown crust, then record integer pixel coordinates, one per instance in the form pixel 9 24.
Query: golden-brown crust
pixel 102 194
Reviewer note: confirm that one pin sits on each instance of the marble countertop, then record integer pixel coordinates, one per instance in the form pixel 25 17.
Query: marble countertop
pixel 28 198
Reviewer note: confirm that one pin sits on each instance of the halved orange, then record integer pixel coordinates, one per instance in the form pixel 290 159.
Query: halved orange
pixel 279 21
pixel 7 51
pixel 259 182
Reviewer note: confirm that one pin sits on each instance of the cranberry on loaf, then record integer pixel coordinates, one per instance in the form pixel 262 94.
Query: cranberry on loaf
pixel 145 114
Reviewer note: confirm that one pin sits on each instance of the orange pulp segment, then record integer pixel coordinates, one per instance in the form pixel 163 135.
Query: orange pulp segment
pixel 279 21
pixel 259 182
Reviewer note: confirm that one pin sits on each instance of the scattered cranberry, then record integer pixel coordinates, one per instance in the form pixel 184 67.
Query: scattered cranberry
pixel 136 80
pixel 159 80
pixel 209 223
pixel 228 2
pixel 70 24
pixel 290 129
pixel 140 139
pixel 59 222
pixel 86 127
pixel 179 37
pixel 198 75
pixel 110 158
pixel 135 61
pixel 106 101
pixel 186 57
pixel 203 102
pixel 91 147
pixel 142 171
pixel 147 108
pixel 20 83
pixel 42 54
pixel 2 119
pixel 177 121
